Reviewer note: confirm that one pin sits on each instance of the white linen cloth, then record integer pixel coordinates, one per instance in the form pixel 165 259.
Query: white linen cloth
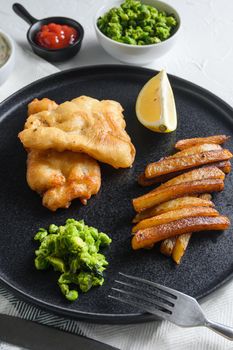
pixel 203 55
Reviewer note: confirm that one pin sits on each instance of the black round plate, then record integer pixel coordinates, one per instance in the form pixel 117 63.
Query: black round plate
pixel 209 260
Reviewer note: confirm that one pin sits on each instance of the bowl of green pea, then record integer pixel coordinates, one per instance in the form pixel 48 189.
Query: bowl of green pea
pixel 137 31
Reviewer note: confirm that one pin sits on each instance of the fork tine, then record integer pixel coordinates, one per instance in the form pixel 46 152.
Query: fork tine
pixel 173 293
pixel 151 310
pixel 155 293
pixel 154 303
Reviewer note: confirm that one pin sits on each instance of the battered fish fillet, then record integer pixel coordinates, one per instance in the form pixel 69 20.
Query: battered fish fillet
pixel 85 125
pixel 62 177
pixel 37 106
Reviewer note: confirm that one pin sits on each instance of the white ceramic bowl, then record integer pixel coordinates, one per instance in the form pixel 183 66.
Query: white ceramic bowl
pixel 134 54
pixel 8 66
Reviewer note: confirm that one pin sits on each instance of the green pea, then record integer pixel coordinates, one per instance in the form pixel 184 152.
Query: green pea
pixel 57 263
pixel 136 23
pixel 115 19
pixel 41 234
pixel 124 16
pixel 73 250
pixel 128 40
pixel 162 33
pixel 72 295
pixel 171 21
pixel 53 228
pixel 41 263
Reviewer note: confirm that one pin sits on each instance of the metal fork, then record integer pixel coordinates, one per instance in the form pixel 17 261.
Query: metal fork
pixel 166 303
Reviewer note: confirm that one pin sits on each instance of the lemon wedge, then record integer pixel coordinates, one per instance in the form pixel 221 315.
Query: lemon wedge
pixel 155 105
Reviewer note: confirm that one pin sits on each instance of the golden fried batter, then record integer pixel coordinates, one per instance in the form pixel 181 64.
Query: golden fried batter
pixel 37 106
pixel 61 177
pixel 85 125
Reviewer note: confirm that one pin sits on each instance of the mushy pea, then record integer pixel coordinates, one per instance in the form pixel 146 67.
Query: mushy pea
pixel 73 250
pixel 137 24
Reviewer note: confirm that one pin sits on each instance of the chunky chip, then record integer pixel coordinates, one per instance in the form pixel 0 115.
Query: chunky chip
pixel 152 235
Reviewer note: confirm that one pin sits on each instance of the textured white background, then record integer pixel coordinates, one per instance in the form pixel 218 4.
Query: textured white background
pixel 203 55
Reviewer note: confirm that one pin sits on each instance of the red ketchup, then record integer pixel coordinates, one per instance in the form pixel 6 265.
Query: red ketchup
pixel 56 36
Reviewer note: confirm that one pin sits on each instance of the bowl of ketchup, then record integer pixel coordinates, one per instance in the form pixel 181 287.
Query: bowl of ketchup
pixel 53 38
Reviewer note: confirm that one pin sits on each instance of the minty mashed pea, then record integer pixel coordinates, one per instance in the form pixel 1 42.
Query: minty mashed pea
pixel 73 250
pixel 4 50
pixel 137 24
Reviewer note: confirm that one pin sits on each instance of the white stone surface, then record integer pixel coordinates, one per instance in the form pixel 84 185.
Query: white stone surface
pixel 203 55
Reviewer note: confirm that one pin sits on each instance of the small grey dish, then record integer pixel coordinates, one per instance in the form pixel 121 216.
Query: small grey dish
pixel 7 66
pixel 52 55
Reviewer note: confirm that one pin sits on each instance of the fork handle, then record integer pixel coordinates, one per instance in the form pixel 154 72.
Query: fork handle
pixel 219 328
